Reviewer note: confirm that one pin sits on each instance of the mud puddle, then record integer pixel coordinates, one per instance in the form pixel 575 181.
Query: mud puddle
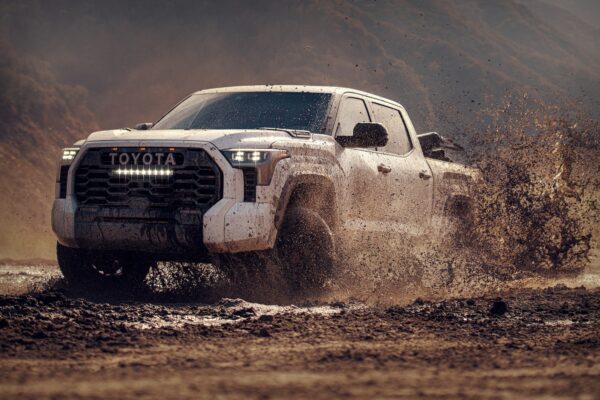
pixel 231 311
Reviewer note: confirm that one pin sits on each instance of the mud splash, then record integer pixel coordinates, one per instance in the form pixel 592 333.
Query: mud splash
pixel 533 221
pixel 184 282
pixel 536 204
pixel 19 277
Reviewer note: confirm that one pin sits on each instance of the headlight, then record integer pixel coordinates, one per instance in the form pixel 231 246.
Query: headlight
pixel 68 154
pixel 263 160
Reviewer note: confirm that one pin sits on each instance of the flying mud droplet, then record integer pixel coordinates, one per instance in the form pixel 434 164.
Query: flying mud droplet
pixel 537 201
pixel 499 308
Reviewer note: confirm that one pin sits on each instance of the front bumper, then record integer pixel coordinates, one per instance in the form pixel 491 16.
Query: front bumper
pixel 229 226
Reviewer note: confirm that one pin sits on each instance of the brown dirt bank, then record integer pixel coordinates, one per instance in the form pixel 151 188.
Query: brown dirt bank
pixel 544 343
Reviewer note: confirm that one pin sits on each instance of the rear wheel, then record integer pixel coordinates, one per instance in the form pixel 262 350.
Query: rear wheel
pixel 91 269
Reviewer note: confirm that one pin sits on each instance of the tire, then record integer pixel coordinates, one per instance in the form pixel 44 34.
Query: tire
pixel 301 263
pixel 305 249
pixel 101 270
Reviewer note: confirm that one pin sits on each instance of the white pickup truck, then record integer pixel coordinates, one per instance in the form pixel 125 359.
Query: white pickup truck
pixel 295 176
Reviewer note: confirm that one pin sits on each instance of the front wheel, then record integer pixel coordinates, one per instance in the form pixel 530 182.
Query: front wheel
pixel 301 263
pixel 305 249
pixel 91 269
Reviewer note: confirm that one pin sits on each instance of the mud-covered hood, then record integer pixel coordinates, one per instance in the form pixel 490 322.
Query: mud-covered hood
pixel 222 139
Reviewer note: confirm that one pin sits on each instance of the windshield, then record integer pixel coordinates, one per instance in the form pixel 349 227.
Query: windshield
pixel 249 110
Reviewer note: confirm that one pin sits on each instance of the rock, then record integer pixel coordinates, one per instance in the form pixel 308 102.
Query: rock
pixel 499 308
pixel 50 298
pixel 419 301
pixel 3 323
pixel 230 302
pixel 39 335
pixel 263 333
pixel 265 318
pixel 245 312
pixel 395 310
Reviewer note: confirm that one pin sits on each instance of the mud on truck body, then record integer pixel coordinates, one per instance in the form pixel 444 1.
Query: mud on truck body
pixel 293 176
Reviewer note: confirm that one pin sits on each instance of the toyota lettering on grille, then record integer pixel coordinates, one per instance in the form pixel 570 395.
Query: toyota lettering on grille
pixel 145 159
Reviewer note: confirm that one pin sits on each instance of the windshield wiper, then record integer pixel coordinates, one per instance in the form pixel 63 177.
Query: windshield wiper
pixel 299 133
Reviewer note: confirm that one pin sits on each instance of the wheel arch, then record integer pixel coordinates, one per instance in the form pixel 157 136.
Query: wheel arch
pixel 312 191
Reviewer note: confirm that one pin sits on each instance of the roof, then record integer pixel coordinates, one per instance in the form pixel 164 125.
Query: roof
pixel 295 88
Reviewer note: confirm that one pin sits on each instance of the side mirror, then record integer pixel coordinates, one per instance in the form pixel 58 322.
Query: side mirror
pixel 430 142
pixel 365 134
pixel 144 126
pixel 435 145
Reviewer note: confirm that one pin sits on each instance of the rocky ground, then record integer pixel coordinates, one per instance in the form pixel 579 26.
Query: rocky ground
pixel 517 343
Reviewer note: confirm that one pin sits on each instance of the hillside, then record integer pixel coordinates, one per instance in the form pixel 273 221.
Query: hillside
pixel 138 58
pixel 38 116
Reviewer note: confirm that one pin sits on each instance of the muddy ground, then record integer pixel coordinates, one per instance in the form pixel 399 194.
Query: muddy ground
pixel 532 342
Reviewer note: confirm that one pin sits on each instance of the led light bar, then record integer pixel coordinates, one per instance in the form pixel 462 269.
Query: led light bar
pixel 130 171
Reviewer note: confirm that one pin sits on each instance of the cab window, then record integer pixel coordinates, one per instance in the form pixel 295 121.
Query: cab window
pixel 399 141
pixel 352 111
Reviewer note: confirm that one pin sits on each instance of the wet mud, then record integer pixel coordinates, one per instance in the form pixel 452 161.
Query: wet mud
pixel 521 342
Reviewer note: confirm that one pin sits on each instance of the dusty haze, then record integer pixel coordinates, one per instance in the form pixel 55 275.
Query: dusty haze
pixel 72 67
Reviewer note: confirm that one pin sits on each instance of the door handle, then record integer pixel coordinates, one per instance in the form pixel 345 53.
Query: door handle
pixel 384 168
pixel 424 175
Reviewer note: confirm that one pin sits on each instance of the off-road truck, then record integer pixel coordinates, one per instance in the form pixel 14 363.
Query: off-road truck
pixel 289 175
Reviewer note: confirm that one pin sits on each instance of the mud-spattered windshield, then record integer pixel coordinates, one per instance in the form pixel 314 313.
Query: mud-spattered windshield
pixel 250 110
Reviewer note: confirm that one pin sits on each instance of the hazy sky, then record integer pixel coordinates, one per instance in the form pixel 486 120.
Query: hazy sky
pixel 587 10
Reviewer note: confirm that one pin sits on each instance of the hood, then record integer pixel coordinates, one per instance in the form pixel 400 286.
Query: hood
pixel 221 139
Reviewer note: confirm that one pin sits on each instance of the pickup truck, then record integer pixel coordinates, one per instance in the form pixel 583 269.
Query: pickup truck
pixel 298 177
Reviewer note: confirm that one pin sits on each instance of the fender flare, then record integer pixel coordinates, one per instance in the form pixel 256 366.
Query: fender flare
pixel 291 184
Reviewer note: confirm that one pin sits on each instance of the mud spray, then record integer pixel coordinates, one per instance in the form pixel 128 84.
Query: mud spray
pixel 532 220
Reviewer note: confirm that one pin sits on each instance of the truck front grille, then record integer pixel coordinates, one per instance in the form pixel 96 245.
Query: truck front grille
pixel 191 181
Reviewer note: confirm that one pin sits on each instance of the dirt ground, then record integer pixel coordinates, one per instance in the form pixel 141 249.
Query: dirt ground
pixel 515 343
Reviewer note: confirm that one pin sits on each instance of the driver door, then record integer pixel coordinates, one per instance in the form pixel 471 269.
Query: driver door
pixel 364 197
